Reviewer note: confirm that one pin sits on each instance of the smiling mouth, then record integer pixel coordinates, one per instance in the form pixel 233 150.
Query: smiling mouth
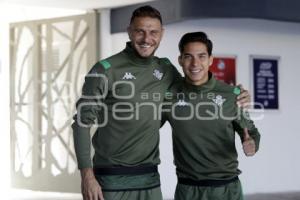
pixel 145 46
pixel 195 71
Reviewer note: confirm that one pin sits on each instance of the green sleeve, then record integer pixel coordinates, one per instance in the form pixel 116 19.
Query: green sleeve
pixel 243 121
pixel 167 106
pixel 176 76
pixel 88 108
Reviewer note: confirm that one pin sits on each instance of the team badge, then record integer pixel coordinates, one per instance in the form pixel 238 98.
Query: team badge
pixel 157 74
pixel 219 100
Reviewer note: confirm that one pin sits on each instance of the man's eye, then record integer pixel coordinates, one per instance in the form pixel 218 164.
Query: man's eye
pixel 139 31
pixel 203 56
pixel 154 33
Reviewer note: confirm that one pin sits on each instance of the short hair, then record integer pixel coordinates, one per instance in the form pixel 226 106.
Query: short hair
pixel 195 37
pixel 146 11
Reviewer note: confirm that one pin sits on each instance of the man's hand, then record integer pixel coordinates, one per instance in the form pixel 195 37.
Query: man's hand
pixel 248 144
pixel 90 188
pixel 244 99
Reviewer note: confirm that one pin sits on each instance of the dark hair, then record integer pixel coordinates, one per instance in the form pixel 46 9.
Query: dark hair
pixel 146 11
pixel 195 37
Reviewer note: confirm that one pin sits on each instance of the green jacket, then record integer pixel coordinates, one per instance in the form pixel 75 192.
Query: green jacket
pixel 122 95
pixel 204 120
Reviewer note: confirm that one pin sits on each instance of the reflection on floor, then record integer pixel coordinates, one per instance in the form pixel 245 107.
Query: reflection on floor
pixel 277 196
pixel 30 195
pixel 34 195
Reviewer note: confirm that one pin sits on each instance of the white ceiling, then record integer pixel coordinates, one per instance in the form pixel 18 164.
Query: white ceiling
pixel 75 4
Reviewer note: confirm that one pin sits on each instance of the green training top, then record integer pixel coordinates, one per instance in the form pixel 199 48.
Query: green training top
pixel 204 120
pixel 122 94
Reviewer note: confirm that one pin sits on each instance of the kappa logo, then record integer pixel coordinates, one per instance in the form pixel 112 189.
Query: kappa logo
pixel 181 102
pixel 157 74
pixel 128 76
pixel 219 100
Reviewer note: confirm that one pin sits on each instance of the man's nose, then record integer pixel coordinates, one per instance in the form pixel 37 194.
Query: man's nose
pixel 147 37
pixel 195 62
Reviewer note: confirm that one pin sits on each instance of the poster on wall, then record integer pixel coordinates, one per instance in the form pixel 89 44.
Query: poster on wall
pixel 265 81
pixel 223 68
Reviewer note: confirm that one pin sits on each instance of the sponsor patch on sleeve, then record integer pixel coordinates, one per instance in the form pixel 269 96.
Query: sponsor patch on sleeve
pixel 105 64
pixel 237 91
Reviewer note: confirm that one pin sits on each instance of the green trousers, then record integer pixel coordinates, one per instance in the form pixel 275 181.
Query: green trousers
pixel 231 191
pixel 131 187
pixel 150 194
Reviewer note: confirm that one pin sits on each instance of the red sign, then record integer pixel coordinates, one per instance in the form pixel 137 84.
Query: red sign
pixel 223 68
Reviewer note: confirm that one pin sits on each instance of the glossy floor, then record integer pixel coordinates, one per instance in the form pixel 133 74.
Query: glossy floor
pixel 30 195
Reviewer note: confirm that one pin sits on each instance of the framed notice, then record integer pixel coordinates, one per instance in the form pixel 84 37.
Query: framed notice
pixel 265 81
pixel 224 69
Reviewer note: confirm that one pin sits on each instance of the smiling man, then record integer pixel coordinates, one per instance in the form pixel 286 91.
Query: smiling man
pixel 204 126
pixel 195 62
pixel 120 92
pixel 145 33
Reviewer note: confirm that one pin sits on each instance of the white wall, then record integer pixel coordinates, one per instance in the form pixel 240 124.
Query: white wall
pixel 276 166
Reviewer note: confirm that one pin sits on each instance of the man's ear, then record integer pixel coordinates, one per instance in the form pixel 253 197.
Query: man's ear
pixel 180 60
pixel 211 60
pixel 129 31
pixel 162 32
